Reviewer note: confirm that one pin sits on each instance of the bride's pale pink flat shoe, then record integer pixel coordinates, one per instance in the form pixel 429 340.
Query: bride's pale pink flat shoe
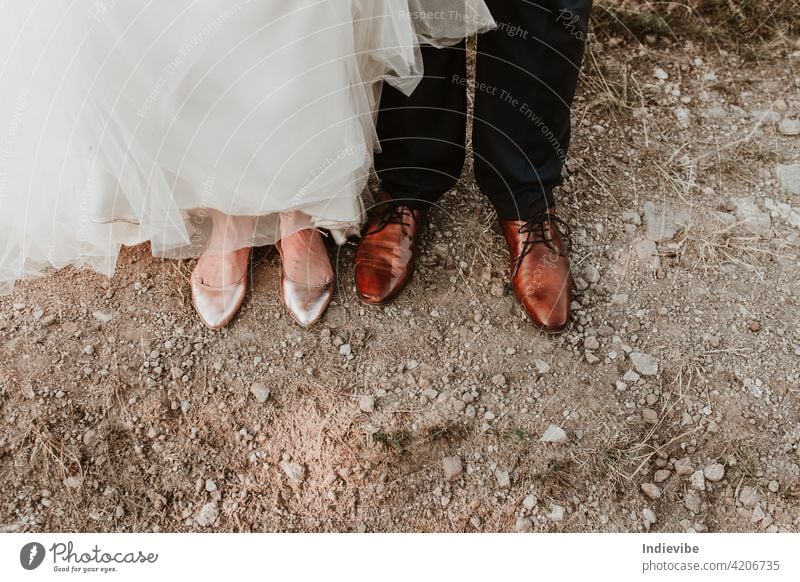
pixel 217 306
pixel 306 304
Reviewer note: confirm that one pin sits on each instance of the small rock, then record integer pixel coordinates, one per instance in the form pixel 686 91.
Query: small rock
pixel 530 502
pixel 556 513
pixel 207 515
pixel 714 472
pixel 210 486
pixel 523 524
pixel 752 217
pixel 663 222
pixel 684 466
pixel 662 475
pixel 453 469
pixel 631 376
pixel 748 496
pixel 503 479
pixel 773 486
pixel 345 350
pixel 591 273
pixel 541 366
pixel 90 438
pixel 295 471
pixel 367 404
pixel 692 502
pixel 260 392
pixel 499 380
pixel 591 358
pixel 758 514
pixel 73 482
pixel 649 516
pixel 698 480
pixel 102 316
pixel 554 434
pixel 645 364
pixel 790 127
pixel 652 490
pixel 475 521
pixel 650 416
pixel 789 178
pixel 646 252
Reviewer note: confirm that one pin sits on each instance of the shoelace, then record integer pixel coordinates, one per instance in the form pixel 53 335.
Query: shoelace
pixel 394 214
pixel 536 226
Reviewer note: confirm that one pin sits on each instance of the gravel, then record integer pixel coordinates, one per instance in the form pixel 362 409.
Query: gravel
pixel 684 467
pixel 207 515
pixel 556 513
pixel 260 392
pixel 554 434
pixel 367 404
pixel 453 468
pixel 645 364
pixel 698 480
pixel 714 472
pixel 652 490
pixel 295 471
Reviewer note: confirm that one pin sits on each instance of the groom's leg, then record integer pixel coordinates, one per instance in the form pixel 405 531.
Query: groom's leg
pixel 527 73
pixel 422 136
pixel 529 69
pixel 422 142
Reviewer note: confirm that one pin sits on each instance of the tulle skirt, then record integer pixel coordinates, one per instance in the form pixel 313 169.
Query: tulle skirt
pixel 126 121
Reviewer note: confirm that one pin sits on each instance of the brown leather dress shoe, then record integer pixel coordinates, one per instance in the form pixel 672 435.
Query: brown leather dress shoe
pixel 387 253
pixel 540 275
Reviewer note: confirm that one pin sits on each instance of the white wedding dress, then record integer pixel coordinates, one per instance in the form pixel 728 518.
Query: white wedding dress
pixel 126 121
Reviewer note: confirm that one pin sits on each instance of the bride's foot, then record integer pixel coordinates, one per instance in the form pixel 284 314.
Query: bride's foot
pixel 307 276
pixel 219 286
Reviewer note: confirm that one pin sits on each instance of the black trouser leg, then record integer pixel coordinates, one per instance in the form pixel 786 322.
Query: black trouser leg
pixel 527 72
pixel 423 136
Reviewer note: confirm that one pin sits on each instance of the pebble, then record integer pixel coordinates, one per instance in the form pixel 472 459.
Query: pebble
pixel 295 471
pixel 523 524
pixel 692 502
pixel 453 468
pixel 102 316
pixel 698 480
pixel 556 513
pixel 207 515
pixel 499 380
pixel 650 416
pixel 662 475
pixel 748 496
pixel 210 486
pixel 773 486
pixel 554 434
pixel 631 376
pixel 684 466
pixel 345 350
pixel 73 481
pixel 90 438
pixel 751 216
pixel 541 366
pixel 647 253
pixel 591 343
pixel 714 472
pixel 260 392
pixel 652 490
pixel 591 358
pixel 790 127
pixel 662 221
pixel 475 521
pixel 645 364
pixel 503 479
pixel 649 516
pixel 530 502
pixel 789 178
pixel 758 514
pixel 591 273
pixel 367 404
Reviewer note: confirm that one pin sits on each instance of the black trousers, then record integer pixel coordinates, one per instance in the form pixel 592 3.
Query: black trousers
pixel 527 71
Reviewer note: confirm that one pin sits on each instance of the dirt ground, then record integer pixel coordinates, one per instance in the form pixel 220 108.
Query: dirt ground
pixel 674 396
